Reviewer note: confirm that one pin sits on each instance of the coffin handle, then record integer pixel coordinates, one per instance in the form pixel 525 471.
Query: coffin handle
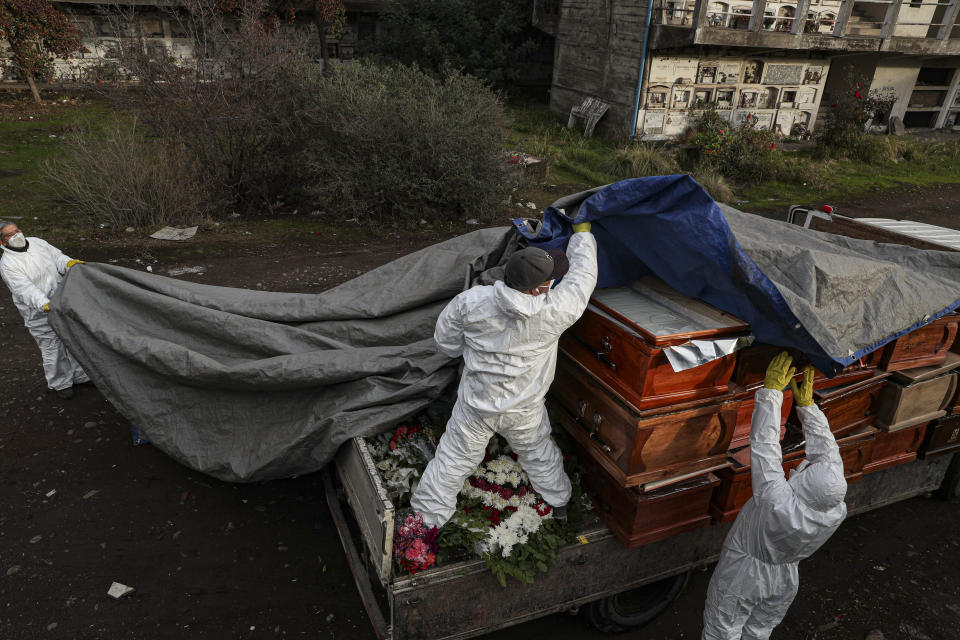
pixel 949 333
pixel 605 348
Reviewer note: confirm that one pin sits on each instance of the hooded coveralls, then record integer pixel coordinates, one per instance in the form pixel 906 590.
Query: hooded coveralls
pixel 32 276
pixel 508 340
pixel 783 523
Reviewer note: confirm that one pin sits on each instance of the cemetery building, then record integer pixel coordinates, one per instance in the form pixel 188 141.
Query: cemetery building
pixel 162 28
pixel 777 62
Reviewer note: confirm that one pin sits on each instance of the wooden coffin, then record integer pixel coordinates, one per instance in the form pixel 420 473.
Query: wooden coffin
pixel 922 347
pixel 851 406
pixel 752 363
pixel 895 447
pixel 943 436
pixel 637 517
pixel 920 374
pixel 741 432
pixel 735 483
pixel 622 335
pixel 901 406
pixel 639 446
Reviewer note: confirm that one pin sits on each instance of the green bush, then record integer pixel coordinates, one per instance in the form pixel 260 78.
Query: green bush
pixel 638 160
pixel 715 184
pixel 116 176
pixel 394 141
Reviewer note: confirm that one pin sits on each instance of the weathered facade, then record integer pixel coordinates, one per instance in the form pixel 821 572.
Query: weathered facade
pixel 774 61
pixel 160 27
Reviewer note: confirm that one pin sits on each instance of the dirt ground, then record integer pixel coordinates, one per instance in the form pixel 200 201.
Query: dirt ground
pixel 82 507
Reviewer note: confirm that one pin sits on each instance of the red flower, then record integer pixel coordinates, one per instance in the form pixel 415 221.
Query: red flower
pixel 857 94
pixel 505 493
pixel 833 106
pixel 749 115
pixel 772 146
pixel 542 508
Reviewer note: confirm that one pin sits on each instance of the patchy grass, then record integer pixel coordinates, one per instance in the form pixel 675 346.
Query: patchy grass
pixel 845 180
pixel 576 163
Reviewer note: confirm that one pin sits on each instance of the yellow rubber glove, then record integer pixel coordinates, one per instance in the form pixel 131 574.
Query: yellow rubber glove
pixel 779 372
pixel 803 395
pixel 46 308
pixel 582 226
pixel 73 262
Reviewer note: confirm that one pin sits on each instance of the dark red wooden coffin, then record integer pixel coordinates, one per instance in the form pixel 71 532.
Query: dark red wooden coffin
pixel 640 446
pixel 741 432
pixel 638 518
pixel 896 447
pixel 922 347
pixel 851 406
pixel 735 483
pixel 943 436
pixel 623 333
pixel 752 363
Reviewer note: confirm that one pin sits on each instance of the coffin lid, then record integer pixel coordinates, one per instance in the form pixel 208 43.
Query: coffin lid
pixel 832 393
pixel 909 376
pixel 662 316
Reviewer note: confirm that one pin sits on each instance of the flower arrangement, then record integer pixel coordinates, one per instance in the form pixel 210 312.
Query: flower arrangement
pixel 499 516
pixel 414 546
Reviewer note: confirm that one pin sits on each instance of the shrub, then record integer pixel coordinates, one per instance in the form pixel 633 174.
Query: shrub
pixel 118 177
pixel 715 184
pixel 234 106
pixel 638 160
pixel 395 141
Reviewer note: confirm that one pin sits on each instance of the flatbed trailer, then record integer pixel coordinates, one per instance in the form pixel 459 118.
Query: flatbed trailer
pixel 444 602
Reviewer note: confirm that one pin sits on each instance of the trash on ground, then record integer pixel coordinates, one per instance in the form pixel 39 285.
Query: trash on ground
pixel 179 271
pixel 172 233
pixel 118 590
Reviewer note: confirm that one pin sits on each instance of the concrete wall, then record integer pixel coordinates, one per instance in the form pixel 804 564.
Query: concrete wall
pixel 598 49
pixel 774 92
pixel 900 77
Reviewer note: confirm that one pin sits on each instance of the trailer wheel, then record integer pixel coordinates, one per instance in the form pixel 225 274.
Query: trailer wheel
pixel 950 487
pixel 637 607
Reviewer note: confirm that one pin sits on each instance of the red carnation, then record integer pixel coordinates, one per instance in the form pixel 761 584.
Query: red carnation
pixel 772 146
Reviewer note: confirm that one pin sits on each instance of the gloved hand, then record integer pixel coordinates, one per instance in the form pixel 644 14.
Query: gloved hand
pixel 70 263
pixel 779 372
pixel 46 308
pixel 581 226
pixel 803 395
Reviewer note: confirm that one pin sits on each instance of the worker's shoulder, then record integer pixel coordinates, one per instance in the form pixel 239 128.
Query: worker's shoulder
pixel 478 294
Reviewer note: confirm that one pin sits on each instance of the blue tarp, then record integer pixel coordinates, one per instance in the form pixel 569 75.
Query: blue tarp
pixel 833 298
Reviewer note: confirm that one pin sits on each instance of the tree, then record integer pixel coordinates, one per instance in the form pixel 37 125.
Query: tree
pixel 487 39
pixel 36 33
pixel 327 15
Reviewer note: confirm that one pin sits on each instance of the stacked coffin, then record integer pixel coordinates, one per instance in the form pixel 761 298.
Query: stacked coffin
pixel 883 410
pixel 666 449
pixel 650 438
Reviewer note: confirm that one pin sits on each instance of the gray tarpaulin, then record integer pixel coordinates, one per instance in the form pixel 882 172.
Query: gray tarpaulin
pixel 247 385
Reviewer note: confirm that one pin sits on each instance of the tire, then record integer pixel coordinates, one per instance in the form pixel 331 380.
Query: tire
pixel 950 487
pixel 635 608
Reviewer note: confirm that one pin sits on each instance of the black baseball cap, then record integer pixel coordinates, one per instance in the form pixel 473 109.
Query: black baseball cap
pixel 531 267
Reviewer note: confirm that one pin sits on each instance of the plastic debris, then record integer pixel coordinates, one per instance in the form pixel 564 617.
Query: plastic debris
pixel 172 233
pixel 118 590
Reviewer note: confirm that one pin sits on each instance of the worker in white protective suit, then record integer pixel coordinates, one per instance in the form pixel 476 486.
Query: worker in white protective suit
pixel 784 522
pixel 507 334
pixel 32 269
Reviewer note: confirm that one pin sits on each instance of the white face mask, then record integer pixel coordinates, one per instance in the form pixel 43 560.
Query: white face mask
pixel 17 241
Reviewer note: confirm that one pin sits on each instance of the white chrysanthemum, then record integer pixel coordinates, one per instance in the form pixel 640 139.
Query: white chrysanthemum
pixel 501 478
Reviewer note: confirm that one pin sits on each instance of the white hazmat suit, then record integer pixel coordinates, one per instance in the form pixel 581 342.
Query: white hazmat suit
pixel 508 340
pixel 32 276
pixel 783 523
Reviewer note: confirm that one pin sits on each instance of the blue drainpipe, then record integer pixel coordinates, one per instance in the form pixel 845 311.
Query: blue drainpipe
pixel 643 60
